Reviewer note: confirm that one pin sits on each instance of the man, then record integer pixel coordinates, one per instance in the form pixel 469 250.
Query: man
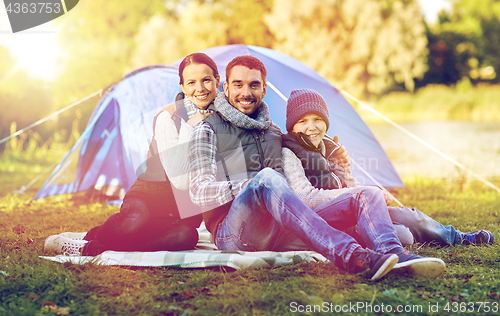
pixel 236 173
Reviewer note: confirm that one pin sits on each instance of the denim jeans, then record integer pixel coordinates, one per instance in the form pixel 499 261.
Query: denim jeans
pixel 423 227
pixel 133 229
pixel 267 212
pixel 412 225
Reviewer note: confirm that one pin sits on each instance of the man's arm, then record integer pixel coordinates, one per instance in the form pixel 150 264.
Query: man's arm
pixel 204 188
pixel 296 176
pixel 340 156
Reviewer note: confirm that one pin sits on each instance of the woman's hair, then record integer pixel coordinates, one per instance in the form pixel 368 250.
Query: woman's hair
pixel 197 58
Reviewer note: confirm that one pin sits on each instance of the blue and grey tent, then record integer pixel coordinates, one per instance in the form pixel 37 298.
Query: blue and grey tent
pixel 112 150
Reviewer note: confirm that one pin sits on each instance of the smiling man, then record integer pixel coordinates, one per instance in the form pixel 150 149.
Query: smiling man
pixel 245 89
pixel 236 176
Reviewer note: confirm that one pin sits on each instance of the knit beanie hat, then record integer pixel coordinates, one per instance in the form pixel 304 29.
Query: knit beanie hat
pixel 302 102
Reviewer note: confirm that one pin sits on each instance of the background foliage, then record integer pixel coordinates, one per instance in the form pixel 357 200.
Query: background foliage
pixel 464 43
pixel 367 47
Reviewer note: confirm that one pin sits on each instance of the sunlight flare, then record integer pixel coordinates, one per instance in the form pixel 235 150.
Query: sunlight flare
pixel 38 53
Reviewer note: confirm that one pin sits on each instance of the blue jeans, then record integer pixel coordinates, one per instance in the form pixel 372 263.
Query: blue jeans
pixel 424 228
pixel 267 212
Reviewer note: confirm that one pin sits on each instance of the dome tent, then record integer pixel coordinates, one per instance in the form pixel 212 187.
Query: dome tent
pixel 112 150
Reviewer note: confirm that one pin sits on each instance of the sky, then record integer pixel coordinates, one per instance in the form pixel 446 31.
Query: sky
pixel 431 8
pixel 37 51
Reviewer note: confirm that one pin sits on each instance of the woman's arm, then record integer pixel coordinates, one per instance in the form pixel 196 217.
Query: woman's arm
pixel 173 149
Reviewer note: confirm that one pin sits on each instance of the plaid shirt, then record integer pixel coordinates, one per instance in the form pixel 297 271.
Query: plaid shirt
pixel 204 188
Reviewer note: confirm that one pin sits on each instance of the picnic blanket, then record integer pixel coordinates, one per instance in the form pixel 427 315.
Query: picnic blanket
pixel 205 255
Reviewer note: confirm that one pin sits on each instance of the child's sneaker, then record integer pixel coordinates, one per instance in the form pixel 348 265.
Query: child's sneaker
pixel 74 236
pixel 418 266
pixel 477 238
pixel 63 246
pixel 372 265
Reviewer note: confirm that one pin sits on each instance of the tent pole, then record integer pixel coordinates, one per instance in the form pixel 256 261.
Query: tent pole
pixel 50 116
pixel 25 187
pixel 423 142
pixel 277 91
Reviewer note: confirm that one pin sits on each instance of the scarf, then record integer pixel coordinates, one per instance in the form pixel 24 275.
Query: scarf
pixel 233 115
pixel 192 109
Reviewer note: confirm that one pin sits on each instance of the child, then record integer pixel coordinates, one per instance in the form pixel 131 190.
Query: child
pixel 311 172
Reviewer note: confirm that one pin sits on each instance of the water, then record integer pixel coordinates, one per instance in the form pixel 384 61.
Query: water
pixel 474 145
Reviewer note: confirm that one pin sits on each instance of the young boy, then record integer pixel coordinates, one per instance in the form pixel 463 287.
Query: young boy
pixel 317 181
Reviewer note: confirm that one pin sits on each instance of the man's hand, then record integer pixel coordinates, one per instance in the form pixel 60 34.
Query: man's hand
pixel 198 117
pixel 340 156
pixel 388 197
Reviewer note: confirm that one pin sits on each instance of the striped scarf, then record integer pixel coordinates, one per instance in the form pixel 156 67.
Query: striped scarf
pixel 192 109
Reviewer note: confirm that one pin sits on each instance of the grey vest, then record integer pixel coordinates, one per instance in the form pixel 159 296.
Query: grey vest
pixel 245 152
pixel 241 153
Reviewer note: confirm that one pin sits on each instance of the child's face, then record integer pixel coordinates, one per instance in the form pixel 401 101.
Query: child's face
pixel 312 126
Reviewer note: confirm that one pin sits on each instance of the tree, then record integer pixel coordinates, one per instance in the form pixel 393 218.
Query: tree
pixel 363 46
pixel 98 39
pixel 199 24
pixel 470 36
pixel 449 53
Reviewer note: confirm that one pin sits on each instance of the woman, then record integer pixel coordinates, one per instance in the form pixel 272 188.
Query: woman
pixel 316 180
pixel 155 216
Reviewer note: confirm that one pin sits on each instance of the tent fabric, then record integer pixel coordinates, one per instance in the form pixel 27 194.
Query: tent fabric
pixel 112 150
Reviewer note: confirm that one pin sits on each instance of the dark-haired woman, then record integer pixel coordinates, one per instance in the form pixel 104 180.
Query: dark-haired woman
pixel 156 213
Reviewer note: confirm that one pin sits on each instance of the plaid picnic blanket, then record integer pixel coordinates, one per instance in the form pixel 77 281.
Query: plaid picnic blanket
pixel 205 255
pixel 196 258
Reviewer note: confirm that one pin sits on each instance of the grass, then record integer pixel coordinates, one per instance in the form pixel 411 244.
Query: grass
pixel 440 103
pixel 33 286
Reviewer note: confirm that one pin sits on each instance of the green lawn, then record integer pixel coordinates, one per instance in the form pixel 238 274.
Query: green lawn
pixel 470 284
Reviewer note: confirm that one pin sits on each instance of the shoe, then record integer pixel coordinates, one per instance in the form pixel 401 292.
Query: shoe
pixel 415 265
pixel 74 236
pixel 477 238
pixel 370 264
pixel 63 246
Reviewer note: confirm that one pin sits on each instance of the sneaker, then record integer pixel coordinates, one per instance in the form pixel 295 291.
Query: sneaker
pixel 74 236
pixel 415 265
pixel 477 238
pixel 372 265
pixel 63 246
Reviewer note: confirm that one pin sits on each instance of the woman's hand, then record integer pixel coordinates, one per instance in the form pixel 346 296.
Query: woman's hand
pixel 198 117
pixel 340 156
